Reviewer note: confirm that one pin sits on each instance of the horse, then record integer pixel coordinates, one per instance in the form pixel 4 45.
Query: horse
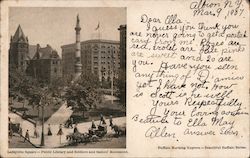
pixel 119 130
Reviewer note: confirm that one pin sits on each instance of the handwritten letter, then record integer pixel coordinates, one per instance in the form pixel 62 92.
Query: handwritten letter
pixel 189 71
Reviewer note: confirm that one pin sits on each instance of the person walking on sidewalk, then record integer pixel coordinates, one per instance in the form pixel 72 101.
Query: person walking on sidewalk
pixel 10 128
pixel 75 129
pixel 49 130
pixel 110 121
pixel 102 120
pixel 60 132
pixel 93 126
pixel 71 121
pixel 27 136
pixel 20 131
pixel 35 132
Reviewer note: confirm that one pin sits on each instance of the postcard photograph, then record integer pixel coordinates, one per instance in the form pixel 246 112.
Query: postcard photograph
pixel 67 77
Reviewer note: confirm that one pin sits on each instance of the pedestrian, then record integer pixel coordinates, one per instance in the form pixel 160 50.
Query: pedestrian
pixel 35 132
pixel 93 126
pixel 10 132
pixel 49 130
pixel 20 131
pixel 24 115
pixel 71 122
pixel 75 129
pixel 60 132
pixel 101 119
pixel 10 128
pixel 27 136
pixel 110 121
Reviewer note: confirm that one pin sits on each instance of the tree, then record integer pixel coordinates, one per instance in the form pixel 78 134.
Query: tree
pixel 121 83
pixel 83 94
pixel 20 85
pixel 25 88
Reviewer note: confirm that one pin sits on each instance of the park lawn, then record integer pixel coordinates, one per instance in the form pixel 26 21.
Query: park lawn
pixel 105 108
pixel 32 111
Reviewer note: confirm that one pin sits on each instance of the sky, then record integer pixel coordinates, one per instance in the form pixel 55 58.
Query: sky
pixel 55 26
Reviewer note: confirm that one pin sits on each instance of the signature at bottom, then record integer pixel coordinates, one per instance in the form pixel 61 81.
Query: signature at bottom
pixel 154 131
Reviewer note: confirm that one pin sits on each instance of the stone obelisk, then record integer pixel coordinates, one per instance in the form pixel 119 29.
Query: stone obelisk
pixel 78 64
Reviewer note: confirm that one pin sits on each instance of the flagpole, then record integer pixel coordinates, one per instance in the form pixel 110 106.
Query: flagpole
pixel 99 34
pixel 112 77
pixel 98 27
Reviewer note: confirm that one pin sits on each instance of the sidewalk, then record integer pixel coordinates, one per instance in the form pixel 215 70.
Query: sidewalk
pixel 60 116
pixel 57 118
pixel 54 140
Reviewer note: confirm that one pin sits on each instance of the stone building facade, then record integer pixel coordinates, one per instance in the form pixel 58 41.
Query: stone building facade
pixel 99 57
pixel 46 64
pixel 41 63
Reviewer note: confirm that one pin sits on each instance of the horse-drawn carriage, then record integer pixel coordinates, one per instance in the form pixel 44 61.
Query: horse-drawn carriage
pixel 91 136
pixel 69 123
pixel 14 128
pixel 100 131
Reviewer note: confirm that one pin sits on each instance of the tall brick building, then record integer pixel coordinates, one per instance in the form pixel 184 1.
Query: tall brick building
pixel 41 63
pixel 99 57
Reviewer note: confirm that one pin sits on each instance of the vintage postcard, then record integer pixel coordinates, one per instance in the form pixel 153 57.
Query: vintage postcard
pixel 166 78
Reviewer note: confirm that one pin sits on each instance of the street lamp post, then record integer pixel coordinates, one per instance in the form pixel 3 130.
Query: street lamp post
pixel 112 84
pixel 42 135
pixel 44 101
pixel 112 77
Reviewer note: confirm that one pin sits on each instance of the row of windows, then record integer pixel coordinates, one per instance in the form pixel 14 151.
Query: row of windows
pixel 97 46
pixel 108 57
pixel 56 62
pixel 103 62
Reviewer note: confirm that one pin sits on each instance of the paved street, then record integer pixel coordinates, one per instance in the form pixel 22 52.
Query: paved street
pixel 59 117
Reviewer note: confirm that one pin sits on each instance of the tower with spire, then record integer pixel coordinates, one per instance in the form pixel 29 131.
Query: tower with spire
pixel 78 65
pixel 19 49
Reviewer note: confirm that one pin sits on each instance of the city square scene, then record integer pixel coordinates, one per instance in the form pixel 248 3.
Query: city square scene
pixel 67 77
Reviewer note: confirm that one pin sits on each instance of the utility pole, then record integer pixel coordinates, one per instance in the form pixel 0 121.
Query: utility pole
pixel 43 102
pixel 112 77
pixel 42 135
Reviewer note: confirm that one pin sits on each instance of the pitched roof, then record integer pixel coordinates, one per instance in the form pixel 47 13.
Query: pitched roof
pixel 32 51
pixel 45 53
pixel 19 36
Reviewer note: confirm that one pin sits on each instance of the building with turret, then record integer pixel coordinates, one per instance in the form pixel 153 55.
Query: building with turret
pixel 40 63
pixel 19 50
